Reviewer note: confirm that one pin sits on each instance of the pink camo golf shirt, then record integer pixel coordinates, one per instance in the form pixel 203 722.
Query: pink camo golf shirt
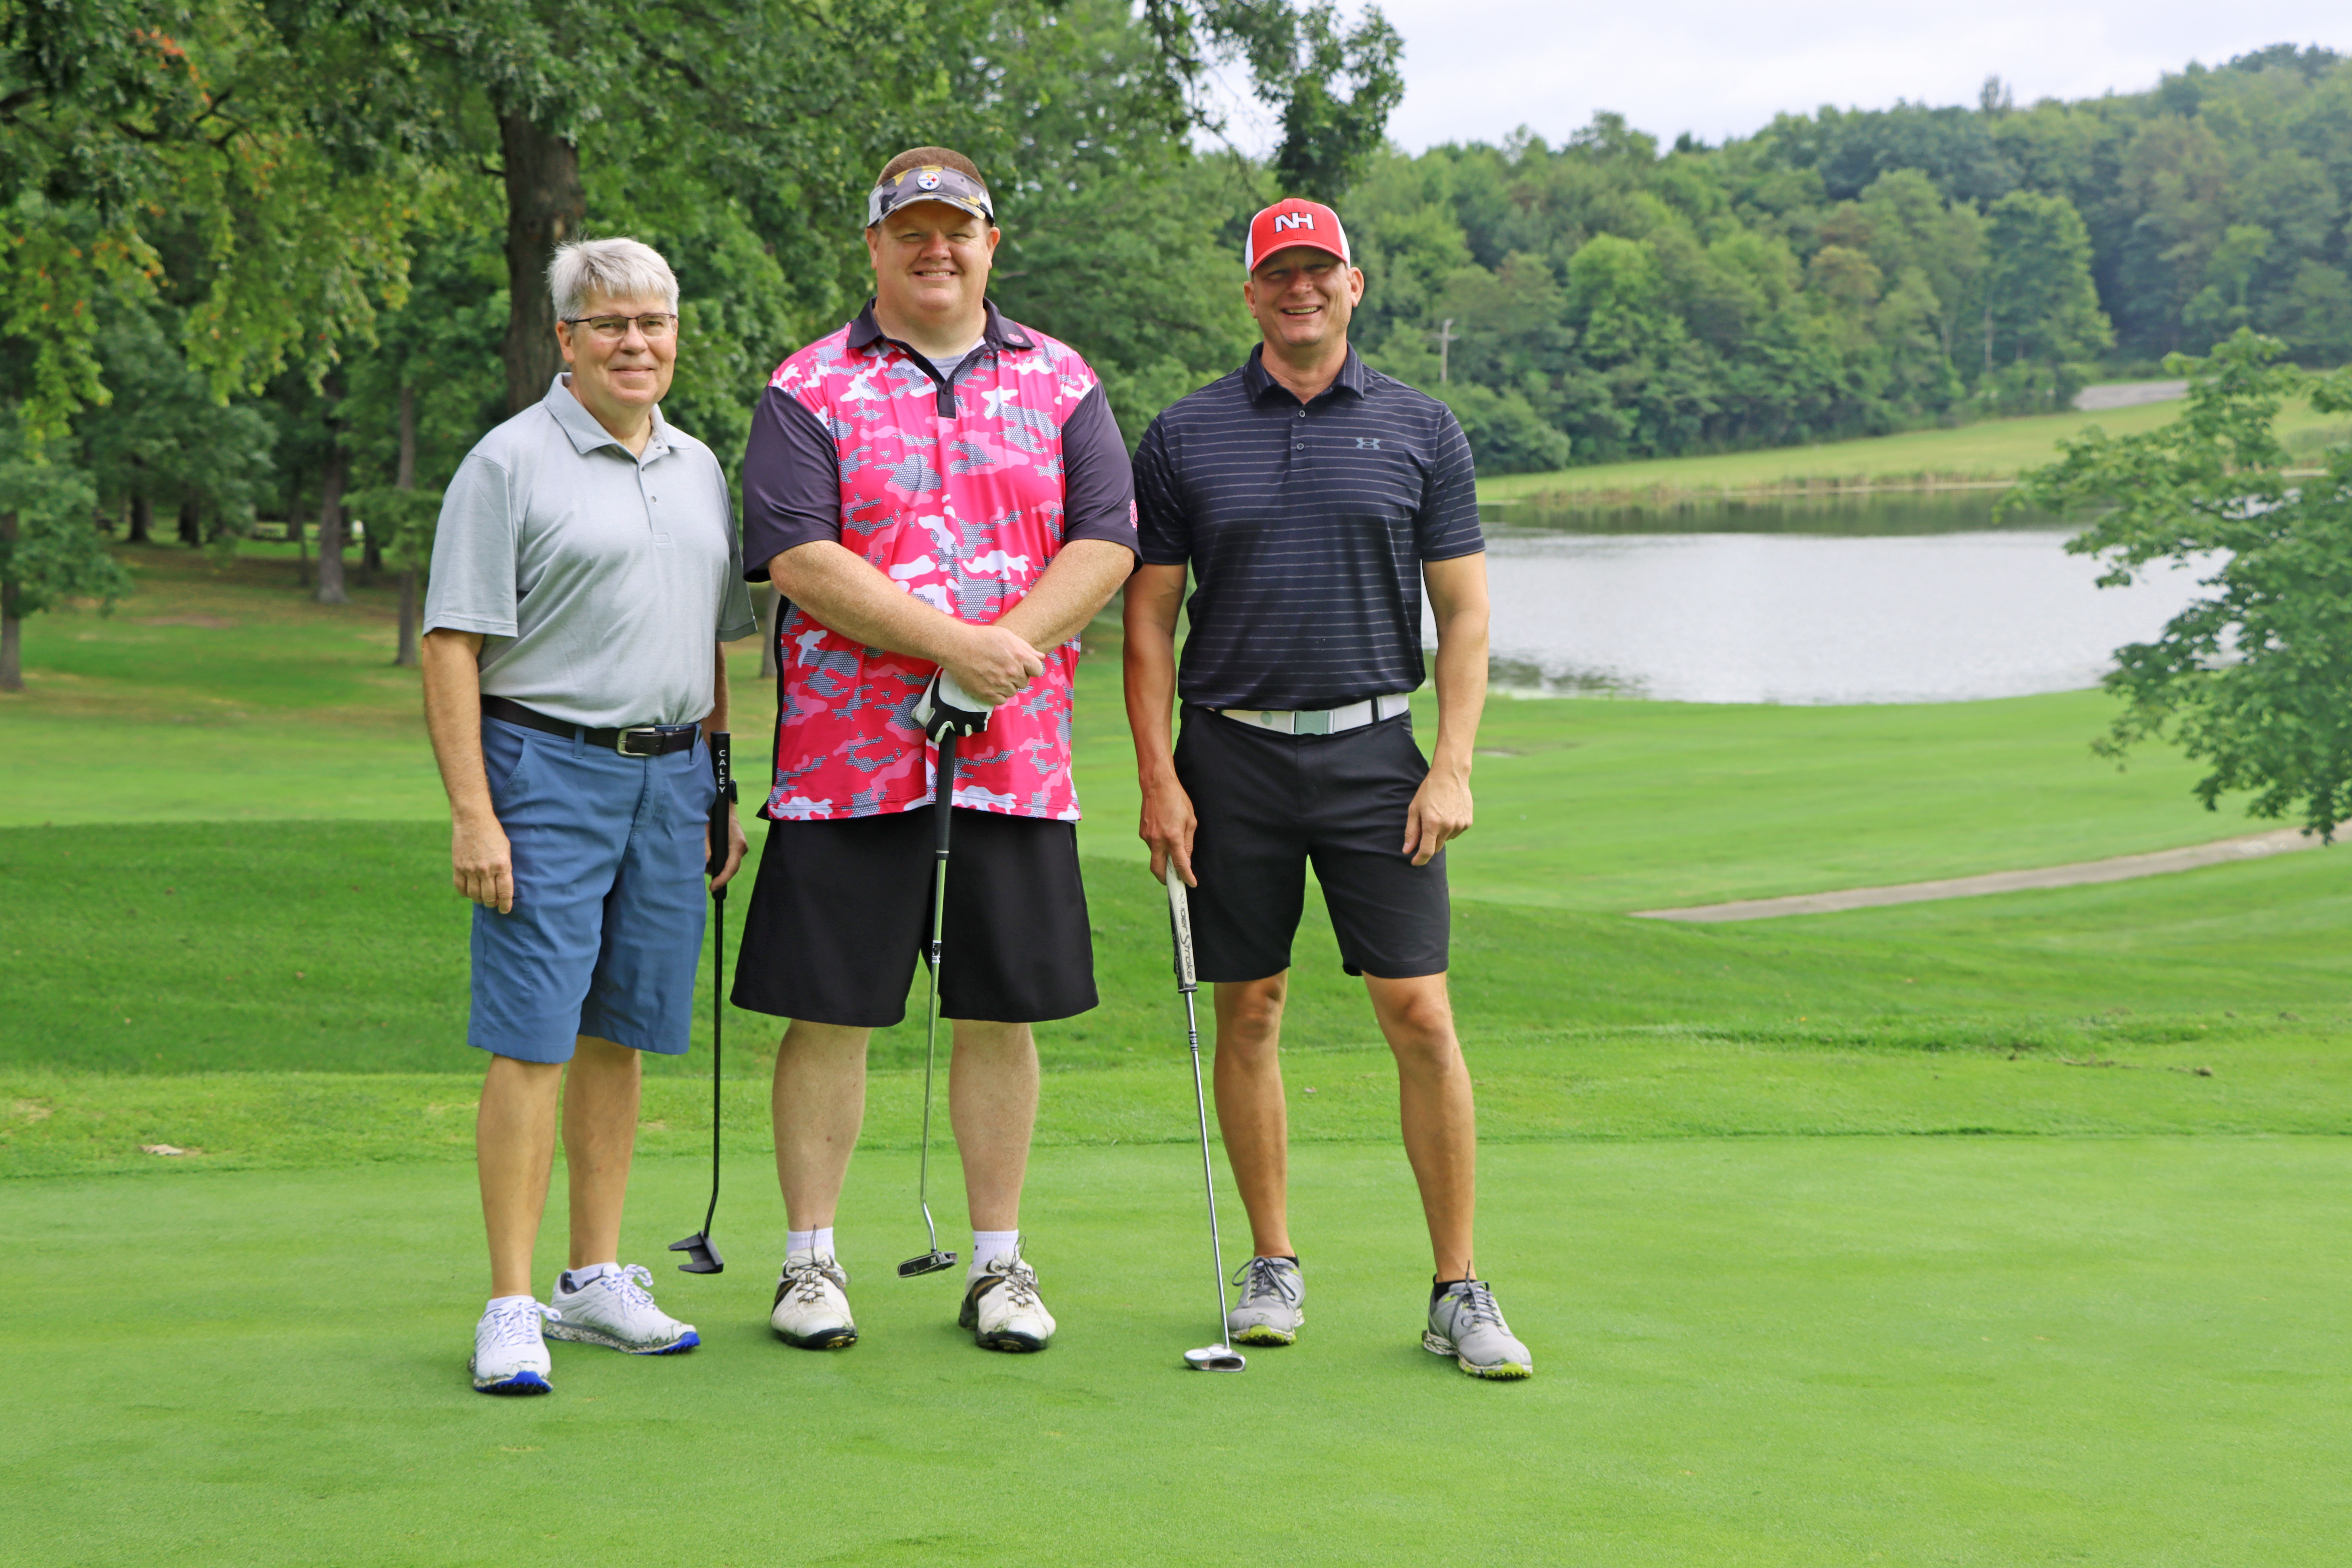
pixel 961 493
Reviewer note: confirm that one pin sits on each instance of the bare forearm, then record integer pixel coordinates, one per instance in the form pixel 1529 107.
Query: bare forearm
pixel 1461 688
pixel 849 596
pixel 453 718
pixel 718 695
pixel 1069 593
pixel 1153 596
pixel 1458 604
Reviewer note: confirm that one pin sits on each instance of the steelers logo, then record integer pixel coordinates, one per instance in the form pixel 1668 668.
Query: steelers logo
pixel 928 179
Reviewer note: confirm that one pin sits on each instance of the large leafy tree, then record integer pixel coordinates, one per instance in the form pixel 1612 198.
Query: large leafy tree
pixel 1333 87
pixel 48 551
pixel 2255 677
pixel 173 149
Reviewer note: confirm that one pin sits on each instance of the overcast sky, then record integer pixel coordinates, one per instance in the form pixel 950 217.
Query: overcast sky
pixel 1477 69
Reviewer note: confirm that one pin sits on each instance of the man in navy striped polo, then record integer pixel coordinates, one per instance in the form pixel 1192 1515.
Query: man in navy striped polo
pixel 1313 498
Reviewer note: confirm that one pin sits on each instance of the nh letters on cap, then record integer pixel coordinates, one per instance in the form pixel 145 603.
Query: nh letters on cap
pixel 1293 220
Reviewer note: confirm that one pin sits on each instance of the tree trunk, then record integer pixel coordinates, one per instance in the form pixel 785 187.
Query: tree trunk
pixel 545 205
pixel 143 519
pixel 765 601
pixel 12 625
pixel 331 528
pixel 371 556
pixel 192 533
pixel 404 478
pixel 296 534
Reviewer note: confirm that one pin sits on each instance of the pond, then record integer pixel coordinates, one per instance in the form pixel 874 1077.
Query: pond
pixel 1923 597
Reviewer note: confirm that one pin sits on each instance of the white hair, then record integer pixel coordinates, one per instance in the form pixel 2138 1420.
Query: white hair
pixel 617 268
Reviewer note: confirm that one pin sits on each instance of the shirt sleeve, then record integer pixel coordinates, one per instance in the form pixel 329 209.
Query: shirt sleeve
pixel 792 482
pixel 1447 525
pixel 1097 482
pixel 737 618
pixel 1163 536
pixel 471 585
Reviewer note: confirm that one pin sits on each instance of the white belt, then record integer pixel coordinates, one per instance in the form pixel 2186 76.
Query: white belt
pixel 1323 720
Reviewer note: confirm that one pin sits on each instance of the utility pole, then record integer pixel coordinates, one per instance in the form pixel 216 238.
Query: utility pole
pixel 1446 338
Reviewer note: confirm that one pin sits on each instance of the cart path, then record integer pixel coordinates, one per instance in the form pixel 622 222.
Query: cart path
pixel 2121 868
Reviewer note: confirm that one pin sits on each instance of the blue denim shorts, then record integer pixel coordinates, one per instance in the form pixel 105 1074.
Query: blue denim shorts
pixel 606 928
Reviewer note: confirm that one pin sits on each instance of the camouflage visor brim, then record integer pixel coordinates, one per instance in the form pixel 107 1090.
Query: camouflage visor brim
pixel 928 183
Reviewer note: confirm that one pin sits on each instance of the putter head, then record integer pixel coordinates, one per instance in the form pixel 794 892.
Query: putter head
pixel 701 1254
pixel 1216 1358
pixel 930 1262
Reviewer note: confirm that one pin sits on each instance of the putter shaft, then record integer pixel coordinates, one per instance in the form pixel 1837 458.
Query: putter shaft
pixel 944 805
pixel 1179 928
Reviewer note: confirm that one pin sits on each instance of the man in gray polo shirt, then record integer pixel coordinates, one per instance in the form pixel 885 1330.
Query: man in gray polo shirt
pixel 584 573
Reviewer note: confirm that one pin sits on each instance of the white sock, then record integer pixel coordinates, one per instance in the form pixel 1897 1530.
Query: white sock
pixel 497 1302
pixel 819 1241
pixel 587 1271
pixel 987 1244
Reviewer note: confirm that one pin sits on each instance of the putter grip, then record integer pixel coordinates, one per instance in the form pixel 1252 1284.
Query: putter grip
pixel 1180 923
pixel 723 773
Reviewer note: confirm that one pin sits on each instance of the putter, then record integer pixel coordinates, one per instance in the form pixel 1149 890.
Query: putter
pixel 701 1253
pixel 1220 1356
pixel 945 714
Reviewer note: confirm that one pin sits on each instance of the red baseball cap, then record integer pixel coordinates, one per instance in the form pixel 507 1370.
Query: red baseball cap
pixel 1291 223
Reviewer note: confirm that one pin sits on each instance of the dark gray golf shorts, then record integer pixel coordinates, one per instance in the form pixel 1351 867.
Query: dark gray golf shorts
pixel 1267 805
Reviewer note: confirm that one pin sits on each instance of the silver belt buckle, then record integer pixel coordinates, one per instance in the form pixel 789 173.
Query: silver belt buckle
pixel 1311 722
pixel 627 745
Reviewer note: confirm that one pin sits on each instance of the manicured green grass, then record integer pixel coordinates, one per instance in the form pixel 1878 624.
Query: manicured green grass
pixel 1626 805
pixel 1987 449
pixel 291 710
pixel 1996 1231
pixel 334 946
pixel 1763 1350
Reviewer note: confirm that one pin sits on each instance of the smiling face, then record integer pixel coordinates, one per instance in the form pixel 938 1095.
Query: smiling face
pixel 1303 299
pixel 930 265
pixel 618 380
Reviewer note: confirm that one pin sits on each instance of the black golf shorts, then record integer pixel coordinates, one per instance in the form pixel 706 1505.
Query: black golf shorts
pixel 1268 804
pixel 842 910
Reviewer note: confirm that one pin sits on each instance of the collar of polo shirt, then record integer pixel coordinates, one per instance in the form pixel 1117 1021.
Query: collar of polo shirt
pixel 1259 380
pixel 587 436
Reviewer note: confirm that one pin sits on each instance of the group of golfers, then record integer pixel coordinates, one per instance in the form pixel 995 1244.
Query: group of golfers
pixel 942 500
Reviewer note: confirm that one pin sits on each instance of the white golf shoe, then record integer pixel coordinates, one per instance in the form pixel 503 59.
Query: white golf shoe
pixel 614 1310
pixel 811 1308
pixel 509 1356
pixel 1002 1310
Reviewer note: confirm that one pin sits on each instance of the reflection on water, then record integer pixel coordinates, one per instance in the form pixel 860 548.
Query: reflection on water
pixel 1885 599
pixel 1845 515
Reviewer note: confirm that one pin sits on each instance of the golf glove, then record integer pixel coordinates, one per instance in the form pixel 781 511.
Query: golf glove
pixel 947 709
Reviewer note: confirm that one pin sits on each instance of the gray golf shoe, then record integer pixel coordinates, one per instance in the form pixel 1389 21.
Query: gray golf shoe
pixel 1272 1303
pixel 1464 1324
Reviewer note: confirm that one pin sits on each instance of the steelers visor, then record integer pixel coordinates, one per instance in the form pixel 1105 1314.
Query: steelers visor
pixel 928 183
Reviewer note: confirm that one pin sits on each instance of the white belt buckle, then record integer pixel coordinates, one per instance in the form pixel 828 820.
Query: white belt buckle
pixel 1312 721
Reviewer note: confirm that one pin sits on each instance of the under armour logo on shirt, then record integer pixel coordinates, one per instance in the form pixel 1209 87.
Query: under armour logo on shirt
pixel 1372 441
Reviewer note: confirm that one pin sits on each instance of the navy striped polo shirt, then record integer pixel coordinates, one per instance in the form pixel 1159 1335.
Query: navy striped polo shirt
pixel 1305 526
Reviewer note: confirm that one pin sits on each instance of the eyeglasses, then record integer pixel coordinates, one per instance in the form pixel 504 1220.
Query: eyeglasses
pixel 613 329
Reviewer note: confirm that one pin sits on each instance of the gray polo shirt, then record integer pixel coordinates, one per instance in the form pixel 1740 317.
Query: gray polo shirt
pixel 599 580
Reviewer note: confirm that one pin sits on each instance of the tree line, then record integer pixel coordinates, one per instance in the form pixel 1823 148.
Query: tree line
pixel 278 263
pixel 284 259
pixel 1851 272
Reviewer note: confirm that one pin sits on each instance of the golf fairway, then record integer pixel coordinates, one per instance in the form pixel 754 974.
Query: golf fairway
pixel 1748 1350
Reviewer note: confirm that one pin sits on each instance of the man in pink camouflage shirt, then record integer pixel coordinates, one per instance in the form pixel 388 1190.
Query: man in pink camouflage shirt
pixel 932 487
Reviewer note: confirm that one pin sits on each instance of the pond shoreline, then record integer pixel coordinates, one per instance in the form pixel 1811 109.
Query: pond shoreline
pixel 1812 488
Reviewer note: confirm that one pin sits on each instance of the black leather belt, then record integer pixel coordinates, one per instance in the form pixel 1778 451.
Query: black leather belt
pixel 638 741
